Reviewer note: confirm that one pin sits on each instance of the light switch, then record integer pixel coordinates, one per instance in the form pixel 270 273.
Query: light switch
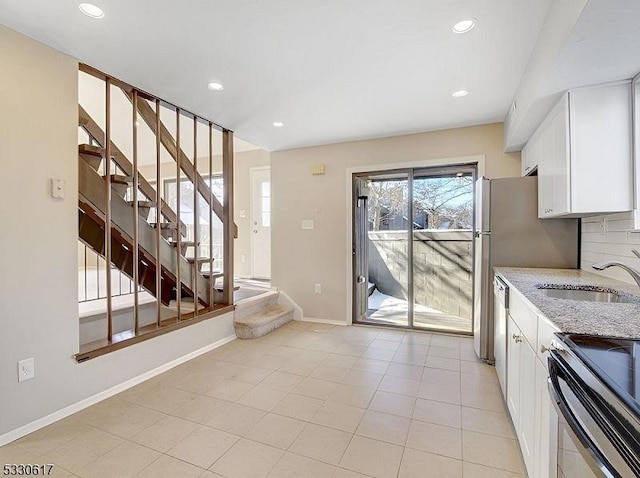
pixel 57 188
pixel 308 224
pixel 242 213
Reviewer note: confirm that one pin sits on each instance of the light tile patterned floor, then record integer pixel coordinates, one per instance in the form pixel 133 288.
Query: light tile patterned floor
pixel 309 400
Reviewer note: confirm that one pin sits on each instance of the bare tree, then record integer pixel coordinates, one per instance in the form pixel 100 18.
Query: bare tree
pixel 447 203
pixel 387 199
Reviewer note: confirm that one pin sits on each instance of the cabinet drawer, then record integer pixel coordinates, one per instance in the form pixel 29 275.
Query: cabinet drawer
pixel 524 316
pixel 546 334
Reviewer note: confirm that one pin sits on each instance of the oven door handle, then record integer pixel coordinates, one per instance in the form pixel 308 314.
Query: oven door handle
pixel 556 369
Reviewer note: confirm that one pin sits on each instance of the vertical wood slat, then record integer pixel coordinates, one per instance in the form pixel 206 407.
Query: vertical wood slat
pixel 107 218
pixel 196 219
pixel 86 280
pixel 178 238
pixel 212 279
pixel 158 222
pixel 227 201
pixel 136 215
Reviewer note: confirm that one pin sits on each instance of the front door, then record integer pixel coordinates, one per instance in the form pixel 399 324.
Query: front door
pixel 261 223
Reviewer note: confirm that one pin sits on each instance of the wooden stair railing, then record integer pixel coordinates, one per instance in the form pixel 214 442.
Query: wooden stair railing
pixel 91 230
pixel 169 142
pixel 93 129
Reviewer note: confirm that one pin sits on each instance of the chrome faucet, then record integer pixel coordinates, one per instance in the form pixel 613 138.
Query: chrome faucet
pixel 600 266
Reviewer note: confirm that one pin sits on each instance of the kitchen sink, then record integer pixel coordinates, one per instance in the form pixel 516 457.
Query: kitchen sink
pixel 588 295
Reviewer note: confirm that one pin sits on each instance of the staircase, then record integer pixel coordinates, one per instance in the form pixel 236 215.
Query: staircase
pixel 178 272
pixel 259 315
pixel 91 189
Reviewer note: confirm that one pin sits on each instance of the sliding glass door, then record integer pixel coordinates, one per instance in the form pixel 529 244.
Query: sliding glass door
pixel 413 248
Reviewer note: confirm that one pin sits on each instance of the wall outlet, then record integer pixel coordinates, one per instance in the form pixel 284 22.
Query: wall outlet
pixel 243 258
pixel 318 288
pixel 26 369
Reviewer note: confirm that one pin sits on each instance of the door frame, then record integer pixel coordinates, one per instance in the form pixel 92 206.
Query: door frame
pixel 253 170
pixel 479 161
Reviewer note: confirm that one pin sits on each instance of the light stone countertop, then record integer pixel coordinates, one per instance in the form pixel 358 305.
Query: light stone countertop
pixel 575 316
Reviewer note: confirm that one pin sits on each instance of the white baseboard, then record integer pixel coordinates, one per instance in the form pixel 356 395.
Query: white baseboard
pixel 322 321
pixel 98 397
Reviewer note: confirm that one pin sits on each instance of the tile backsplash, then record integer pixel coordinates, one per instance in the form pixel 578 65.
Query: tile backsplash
pixel 608 237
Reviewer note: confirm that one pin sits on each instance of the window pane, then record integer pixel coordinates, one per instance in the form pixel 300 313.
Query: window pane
pixel 266 219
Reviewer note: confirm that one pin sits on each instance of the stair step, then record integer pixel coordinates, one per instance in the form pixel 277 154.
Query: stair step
pixel 166 225
pixel 261 323
pixel 215 274
pixel 92 155
pixel 199 261
pixel 141 204
pixel 90 150
pixel 168 230
pixel 183 245
pixel 119 179
pixel 120 184
pixel 144 207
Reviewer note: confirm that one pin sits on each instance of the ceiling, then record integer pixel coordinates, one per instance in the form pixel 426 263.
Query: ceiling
pixel 329 70
pixel 91 96
pixel 336 71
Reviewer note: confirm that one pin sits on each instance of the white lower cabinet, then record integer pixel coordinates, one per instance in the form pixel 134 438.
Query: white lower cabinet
pixel 546 433
pixel 528 419
pixel 530 406
pixel 513 371
pixel 521 385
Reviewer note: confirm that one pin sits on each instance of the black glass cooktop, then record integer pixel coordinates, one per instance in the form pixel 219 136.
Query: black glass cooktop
pixel 615 361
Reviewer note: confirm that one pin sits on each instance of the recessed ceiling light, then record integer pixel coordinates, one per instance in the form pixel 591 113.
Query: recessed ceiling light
pixel 459 93
pixel 215 86
pixel 463 26
pixel 278 124
pixel 91 10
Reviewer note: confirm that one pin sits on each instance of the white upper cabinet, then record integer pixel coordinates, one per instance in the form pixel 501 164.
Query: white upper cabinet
pixel 583 152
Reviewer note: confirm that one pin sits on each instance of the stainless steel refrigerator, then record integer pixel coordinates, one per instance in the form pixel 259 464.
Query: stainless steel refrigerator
pixel 509 233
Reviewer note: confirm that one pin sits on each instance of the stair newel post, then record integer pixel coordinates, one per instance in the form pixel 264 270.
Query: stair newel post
pixel 107 219
pixel 179 221
pixel 211 278
pixel 196 218
pixel 227 214
pixel 158 219
pixel 136 214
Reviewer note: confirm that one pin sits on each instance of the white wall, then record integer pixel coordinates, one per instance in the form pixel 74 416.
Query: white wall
pixel 302 258
pixel 609 238
pixel 38 248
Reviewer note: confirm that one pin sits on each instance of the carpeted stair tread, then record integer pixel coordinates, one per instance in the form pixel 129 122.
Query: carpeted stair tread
pixel 264 321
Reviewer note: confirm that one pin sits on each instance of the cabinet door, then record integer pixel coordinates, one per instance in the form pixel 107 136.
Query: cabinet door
pixel 557 144
pixel 601 148
pixel 546 432
pixel 529 157
pixel 546 165
pixel 514 344
pixel 528 420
